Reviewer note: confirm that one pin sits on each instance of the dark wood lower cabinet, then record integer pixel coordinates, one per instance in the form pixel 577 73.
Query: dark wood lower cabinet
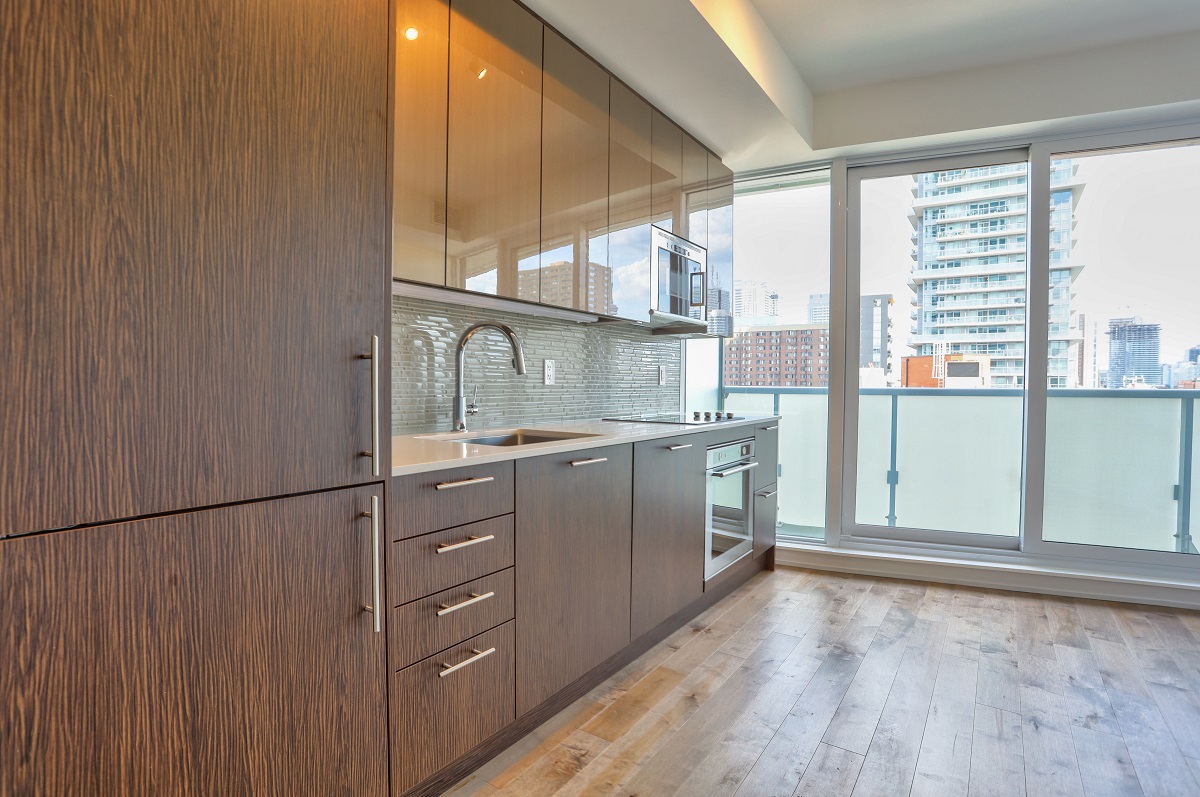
pixel 438 713
pixel 573 514
pixel 668 528
pixel 216 652
pixel 766 511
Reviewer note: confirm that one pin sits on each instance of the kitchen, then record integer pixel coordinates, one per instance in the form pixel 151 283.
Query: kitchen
pixel 364 432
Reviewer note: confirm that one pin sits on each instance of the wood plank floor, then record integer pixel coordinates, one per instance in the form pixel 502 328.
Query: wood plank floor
pixel 812 683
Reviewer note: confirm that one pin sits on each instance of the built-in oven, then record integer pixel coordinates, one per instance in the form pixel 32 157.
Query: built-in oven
pixel 729 505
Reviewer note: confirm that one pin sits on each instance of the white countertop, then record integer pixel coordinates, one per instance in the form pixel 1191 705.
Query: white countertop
pixel 418 453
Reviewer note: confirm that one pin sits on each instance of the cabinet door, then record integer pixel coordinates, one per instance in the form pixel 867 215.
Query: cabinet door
pixel 493 165
pixel 422 36
pixel 194 249
pixel 630 175
pixel 720 248
pixel 668 528
pixel 695 192
pixel 667 191
pixel 766 451
pixel 216 652
pixel 574 258
pixel 766 510
pixel 573 566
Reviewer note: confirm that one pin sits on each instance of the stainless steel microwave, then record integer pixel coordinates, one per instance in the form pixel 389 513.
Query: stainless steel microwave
pixel 679 283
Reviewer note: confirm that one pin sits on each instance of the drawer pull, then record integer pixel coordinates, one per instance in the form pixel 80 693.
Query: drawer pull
pixel 475 598
pixel 770 428
pixel 446 546
pixel 593 461
pixel 677 448
pixel 479 654
pixel 464 482
pixel 766 495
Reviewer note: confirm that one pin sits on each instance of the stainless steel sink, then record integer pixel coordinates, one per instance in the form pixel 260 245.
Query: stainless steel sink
pixel 518 437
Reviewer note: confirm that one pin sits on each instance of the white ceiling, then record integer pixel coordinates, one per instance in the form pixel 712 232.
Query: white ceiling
pixel 848 43
pixel 766 83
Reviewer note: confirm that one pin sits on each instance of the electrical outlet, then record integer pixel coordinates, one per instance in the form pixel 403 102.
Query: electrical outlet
pixel 662 374
pixel 548 372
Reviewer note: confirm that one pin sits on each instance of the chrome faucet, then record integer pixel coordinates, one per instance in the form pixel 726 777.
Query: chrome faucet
pixel 461 408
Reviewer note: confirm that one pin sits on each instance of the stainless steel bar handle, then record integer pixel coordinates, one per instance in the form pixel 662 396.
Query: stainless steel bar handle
pixel 464 483
pixel 375 448
pixel 376 607
pixel 679 447
pixel 479 654
pixel 766 494
pixel 445 547
pixel 475 598
pixel 721 474
pixel 593 461
pixel 770 428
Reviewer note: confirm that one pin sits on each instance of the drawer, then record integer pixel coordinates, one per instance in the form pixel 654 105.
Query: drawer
pixel 766 451
pixel 416 568
pixel 440 499
pixel 438 715
pixel 417 630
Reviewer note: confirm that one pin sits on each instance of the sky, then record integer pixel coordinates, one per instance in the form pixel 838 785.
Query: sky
pixel 1135 218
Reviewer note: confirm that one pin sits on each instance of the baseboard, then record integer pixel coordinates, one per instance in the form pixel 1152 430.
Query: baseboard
pixel 994 575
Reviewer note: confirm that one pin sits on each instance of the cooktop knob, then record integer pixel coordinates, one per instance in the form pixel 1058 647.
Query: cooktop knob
pixel 708 416
pixel 729 415
pixel 696 415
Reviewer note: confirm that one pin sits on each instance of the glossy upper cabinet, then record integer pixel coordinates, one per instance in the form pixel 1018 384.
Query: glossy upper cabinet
pixel 720 248
pixel 574 264
pixel 630 176
pixel 419 140
pixel 493 158
pixel 694 222
pixel 667 181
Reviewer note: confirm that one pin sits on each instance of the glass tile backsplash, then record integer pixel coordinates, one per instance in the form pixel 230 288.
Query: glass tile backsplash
pixel 601 370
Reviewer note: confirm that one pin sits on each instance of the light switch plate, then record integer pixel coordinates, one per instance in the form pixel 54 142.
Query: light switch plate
pixel 548 372
pixel 662 374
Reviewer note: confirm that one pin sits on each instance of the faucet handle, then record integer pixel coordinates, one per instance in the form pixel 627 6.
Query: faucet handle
pixel 473 407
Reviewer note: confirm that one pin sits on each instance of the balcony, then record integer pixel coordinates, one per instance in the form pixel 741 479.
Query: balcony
pixel 1119 463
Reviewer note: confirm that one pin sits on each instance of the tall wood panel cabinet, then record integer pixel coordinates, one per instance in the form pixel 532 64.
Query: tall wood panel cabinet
pixel 193 232
pixel 695 192
pixel 720 248
pixel 574 258
pixel 222 651
pixel 493 154
pixel 630 178
pixel 667 190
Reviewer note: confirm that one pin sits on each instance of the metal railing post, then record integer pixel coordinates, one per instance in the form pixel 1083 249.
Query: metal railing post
pixel 1183 491
pixel 893 475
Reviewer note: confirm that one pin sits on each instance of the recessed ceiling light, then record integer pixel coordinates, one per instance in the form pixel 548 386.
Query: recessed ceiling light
pixel 410 33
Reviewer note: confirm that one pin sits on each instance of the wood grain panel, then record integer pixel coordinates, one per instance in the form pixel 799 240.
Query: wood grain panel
pixel 422 68
pixel 667 185
pixel 573 561
pixel 435 720
pixel 630 175
pixel 193 228
pixel 574 261
pixel 695 192
pixel 766 512
pixel 416 506
pixel 668 528
pixel 215 652
pixel 416 569
pixel 493 156
pixel 419 632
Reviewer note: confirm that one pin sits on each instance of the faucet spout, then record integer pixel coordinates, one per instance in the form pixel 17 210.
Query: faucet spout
pixel 461 410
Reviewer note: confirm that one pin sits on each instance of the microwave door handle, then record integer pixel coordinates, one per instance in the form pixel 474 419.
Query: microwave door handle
pixel 721 474
pixel 701 299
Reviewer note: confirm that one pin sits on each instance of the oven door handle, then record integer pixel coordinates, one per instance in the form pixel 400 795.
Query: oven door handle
pixel 721 474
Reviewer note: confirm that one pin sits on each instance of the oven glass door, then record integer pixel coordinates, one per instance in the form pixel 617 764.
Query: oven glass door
pixel 681 289
pixel 729 522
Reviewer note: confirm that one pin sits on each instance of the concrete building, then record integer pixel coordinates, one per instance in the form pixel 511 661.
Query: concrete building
pixel 818 308
pixel 1133 353
pixel 754 300
pixel 778 356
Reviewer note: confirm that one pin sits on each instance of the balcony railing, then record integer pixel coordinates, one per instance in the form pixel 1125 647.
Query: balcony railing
pixel 1119 463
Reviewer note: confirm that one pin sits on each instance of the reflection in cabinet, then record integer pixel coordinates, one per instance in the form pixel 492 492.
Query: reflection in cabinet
pixel 493 156
pixel 573 561
pixel 194 252
pixel 720 248
pixel 419 140
pixel 667 190
pixel 629 201
pixel 574 180
pixel 694 224
pixel 668 528
pixel 214 652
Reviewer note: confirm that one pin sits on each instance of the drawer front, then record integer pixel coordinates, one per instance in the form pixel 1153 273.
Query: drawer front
pixel 766 451
pixel 431 563
pixel 766 511
pixel 437 500
pixel 437 719
pixel 418 630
